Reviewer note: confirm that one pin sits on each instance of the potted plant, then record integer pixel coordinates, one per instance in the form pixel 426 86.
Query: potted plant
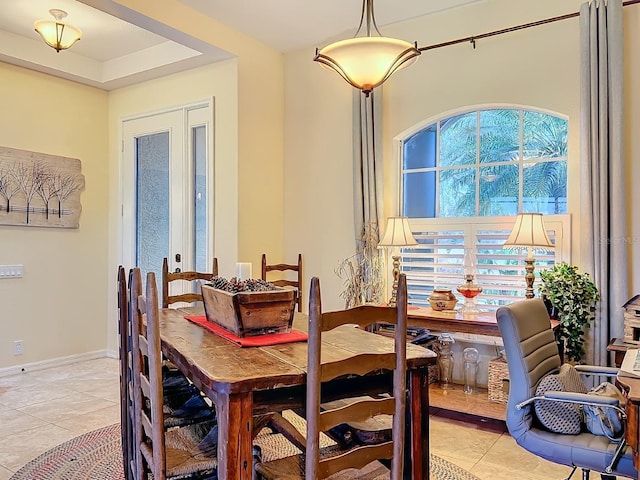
pixel 574 295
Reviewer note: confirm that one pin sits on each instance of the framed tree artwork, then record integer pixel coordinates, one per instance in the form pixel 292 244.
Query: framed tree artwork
pixel 39 190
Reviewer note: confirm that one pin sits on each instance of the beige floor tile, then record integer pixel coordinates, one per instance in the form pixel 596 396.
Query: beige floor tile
pixel 15 422
pixel 459 440
pixel 19 380
pixel 62 409
pixel 108 389
pixel 17 449
pixel 51 375
pixel 507 458
pixel 100 368
pixel 18 397
pixel 92 421
pixel 5 474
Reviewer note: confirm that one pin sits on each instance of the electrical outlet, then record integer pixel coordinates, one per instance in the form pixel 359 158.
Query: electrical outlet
pixel 17 347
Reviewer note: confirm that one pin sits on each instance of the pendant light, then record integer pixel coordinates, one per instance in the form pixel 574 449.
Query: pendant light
pixel 367 61
pixel 56 33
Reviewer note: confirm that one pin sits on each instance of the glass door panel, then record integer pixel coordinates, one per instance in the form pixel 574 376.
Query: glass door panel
pixel 152 201
pixel 165 190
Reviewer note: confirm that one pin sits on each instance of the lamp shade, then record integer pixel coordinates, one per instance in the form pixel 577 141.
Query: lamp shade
pixel 57 34
pixel 366 62
pixel 398 234
pixel 528 231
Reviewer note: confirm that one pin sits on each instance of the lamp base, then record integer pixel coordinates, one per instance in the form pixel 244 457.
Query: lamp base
pixel 396 274
pixel 529 277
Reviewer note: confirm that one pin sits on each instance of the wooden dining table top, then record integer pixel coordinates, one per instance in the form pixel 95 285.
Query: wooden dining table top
pixel 222 366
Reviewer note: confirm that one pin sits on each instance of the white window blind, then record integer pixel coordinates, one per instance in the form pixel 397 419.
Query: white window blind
pixel 438 260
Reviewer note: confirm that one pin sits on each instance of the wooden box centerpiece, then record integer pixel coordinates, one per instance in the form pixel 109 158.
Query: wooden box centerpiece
pixel 250 313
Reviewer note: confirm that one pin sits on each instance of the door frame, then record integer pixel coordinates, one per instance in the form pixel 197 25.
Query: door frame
pixel 127 177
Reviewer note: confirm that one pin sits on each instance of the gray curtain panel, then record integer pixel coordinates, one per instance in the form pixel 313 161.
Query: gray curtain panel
pixel 367 161
pixel 602 167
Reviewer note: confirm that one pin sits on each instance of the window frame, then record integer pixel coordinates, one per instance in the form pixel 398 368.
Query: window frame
pixel 400 140
pixel 560 223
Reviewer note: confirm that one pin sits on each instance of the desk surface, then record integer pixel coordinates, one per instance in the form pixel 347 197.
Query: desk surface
pixel 484 323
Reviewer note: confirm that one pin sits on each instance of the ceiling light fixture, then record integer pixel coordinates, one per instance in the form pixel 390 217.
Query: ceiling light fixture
pixel 55 33
pixel 366 62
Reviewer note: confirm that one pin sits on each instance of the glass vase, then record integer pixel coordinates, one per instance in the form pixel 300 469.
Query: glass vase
pixel 446 360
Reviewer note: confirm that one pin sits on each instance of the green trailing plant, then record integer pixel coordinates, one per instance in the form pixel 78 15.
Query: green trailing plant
pixel 362 272
pixel 574 295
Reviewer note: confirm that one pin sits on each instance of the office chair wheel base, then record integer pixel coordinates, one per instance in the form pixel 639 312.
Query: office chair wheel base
pixel 604 476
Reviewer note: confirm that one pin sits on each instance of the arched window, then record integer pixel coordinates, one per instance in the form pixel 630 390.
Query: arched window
pixel 464 178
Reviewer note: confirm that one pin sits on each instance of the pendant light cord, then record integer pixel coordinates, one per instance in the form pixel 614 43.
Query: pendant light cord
pixel 367 12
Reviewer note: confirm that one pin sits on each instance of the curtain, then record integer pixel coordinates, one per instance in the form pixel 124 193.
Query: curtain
pixel 367 161
pixel 603 192
pixel 367 280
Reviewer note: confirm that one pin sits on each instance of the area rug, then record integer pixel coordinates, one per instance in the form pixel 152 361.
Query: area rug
pixel 97 455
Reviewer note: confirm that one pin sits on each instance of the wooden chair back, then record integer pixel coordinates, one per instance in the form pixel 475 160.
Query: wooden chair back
pixel 189 297
pixel 361 409
pixel 284 267
pixel 147 369
pixel 126 393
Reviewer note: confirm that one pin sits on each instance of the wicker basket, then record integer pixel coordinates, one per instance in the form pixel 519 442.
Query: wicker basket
pixel 498 384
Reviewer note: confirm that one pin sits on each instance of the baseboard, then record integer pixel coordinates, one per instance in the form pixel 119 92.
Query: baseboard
pixel 56 362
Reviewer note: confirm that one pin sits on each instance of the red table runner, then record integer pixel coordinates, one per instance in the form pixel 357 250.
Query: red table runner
pixel 252 341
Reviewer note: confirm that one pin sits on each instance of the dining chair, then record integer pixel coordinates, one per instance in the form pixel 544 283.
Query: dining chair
pixel 283 282
pixel 188 297
pixel 185 452
pixel 317 462
pixel 183 402
pixel 126 394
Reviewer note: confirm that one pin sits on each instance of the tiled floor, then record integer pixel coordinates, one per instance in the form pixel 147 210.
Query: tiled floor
pixel 41 409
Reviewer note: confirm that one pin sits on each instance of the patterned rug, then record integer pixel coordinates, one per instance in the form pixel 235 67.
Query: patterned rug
pixel 97 455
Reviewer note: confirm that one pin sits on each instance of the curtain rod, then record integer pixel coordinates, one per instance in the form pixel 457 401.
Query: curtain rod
pixel 472 39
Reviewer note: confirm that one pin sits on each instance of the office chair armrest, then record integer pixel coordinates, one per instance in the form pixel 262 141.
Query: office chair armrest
pixel 578 398
pixel 597 370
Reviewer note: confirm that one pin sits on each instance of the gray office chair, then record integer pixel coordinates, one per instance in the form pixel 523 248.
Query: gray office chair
pixel 532 354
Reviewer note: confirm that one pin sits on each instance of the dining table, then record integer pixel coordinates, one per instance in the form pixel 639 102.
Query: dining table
pixel 247 382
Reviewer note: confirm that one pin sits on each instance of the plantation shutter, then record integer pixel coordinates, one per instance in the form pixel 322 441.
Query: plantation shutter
pixel 437 262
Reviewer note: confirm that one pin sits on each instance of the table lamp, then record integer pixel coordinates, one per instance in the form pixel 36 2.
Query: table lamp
pixel 529 233
pixel 397 234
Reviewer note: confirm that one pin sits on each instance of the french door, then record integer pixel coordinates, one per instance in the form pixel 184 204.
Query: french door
pixel 167 181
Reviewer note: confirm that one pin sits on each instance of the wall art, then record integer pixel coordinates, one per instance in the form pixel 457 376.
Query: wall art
pixel 39 190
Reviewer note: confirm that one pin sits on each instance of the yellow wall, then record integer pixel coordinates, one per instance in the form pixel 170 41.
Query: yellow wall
pixel 285 125
pixel 59 307
pixel 66 303
pixel 217 82
pixel 260 123
pixel 539 67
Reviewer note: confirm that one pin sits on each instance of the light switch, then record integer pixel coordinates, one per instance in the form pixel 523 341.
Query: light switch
pixel 10 271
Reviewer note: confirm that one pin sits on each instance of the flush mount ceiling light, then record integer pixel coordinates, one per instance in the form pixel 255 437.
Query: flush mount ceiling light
pixel 55 33
pixel 367 61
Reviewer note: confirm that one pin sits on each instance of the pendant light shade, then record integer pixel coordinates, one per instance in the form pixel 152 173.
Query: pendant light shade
pixel 57 34
pixel 366 62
